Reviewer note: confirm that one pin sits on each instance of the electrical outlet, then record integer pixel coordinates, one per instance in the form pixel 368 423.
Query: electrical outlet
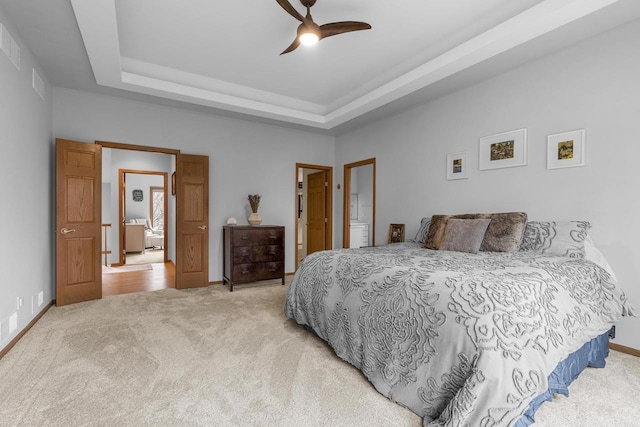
pixel 19 303
pixel 13 322
pixel 40 298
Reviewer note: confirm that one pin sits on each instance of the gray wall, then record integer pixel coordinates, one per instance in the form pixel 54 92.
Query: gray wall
pixel 593 86
pixel 244 157
pixel 26 169
pixel 136 181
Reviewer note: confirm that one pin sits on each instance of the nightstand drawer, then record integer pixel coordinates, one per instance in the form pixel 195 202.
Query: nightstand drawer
pixel 271 270
pixel 245 273
pixel 258 237
pixel 249 254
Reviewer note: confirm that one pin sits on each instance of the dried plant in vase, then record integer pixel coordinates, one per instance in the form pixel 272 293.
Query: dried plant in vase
pixel 254 201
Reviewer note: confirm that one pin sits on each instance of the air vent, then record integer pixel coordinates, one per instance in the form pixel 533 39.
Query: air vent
pixel 9 46
pixel 38 84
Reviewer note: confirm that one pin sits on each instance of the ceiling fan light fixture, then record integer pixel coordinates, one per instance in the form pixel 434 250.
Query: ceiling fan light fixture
pixel 308 33
pixel 309 38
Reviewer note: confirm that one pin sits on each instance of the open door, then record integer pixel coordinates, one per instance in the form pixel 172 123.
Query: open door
pixel 316 218
pixel 78 221
pixel 314 209
pixel 192 221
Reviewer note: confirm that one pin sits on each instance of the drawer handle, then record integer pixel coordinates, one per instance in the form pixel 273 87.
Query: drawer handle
pixel 273 269
pixel 245 237
pixel 245 271
pixel 272 237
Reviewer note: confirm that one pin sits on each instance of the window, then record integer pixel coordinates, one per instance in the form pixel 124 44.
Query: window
pixel 157 208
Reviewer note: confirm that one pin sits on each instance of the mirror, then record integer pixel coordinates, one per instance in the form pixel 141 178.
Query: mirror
pixel 359 204
pixel 353 209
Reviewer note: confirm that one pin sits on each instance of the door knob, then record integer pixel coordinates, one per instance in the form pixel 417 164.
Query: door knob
pixel 67 230
pixel 202 227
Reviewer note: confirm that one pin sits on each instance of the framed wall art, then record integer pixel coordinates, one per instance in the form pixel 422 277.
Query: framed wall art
pixel 566 150
pixel 503 150
pixel 396 233
pixel 137 195
pixel 457 166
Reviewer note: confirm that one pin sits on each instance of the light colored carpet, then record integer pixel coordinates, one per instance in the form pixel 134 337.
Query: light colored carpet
pixel 149 256
pixel 213 357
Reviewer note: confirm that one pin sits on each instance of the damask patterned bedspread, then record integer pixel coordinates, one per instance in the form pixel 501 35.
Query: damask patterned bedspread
pixel 460 339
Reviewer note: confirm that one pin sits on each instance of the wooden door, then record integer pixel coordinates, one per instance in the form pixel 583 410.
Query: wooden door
pixel 192 221
pixel 316 218
pixel 78 221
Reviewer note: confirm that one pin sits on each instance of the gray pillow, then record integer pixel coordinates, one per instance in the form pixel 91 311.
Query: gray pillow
pixel 422 231
pixel 464 235
pixel 556 238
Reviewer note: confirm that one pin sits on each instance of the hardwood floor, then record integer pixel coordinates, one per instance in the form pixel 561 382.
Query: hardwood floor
pixel 161 276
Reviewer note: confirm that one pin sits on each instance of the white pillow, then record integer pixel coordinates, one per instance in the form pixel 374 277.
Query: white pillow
pixel 594 255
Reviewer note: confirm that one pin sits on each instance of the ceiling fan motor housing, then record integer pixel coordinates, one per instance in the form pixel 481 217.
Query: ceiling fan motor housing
pixel 309 27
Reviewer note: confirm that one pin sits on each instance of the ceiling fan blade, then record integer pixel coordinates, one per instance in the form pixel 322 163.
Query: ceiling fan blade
pixel 335 28
pixel 290 9
pixel 292 47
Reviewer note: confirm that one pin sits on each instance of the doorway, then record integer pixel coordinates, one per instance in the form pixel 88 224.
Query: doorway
pixel 359 206
pixel 79 212
pixel 314 209
pixel 144 215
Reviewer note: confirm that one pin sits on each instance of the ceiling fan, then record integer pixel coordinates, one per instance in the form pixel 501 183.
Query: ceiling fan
pixel 309 33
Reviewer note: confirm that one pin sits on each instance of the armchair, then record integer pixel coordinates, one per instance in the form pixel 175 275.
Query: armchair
pixel 134 240
pixel 152 237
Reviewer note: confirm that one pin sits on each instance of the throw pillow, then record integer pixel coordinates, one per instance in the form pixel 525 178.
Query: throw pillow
pixel 464 235
pixel 437 228
pixel 505 232
pixel 435 234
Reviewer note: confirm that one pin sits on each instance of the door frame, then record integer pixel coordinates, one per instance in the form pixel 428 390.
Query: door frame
pixel 328 206
pixel 133 147
pixel 346 204
pixel 122 206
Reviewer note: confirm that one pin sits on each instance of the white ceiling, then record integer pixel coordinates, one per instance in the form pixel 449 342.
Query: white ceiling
pixel 224 55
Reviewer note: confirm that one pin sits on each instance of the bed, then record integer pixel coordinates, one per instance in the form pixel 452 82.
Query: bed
pixel 463 338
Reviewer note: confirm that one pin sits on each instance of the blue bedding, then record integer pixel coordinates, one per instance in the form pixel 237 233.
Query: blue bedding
pixel 591 354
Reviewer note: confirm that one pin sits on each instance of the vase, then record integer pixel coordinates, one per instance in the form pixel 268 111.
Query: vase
pixel 255 219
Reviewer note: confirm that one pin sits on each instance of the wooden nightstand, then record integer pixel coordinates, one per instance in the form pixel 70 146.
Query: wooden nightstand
pixel 252 253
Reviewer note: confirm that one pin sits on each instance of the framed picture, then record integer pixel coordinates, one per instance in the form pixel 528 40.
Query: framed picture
pixel 396 233
pixel 137 195
pixel 566 150
pixel 457 166
pixel 173 183
pixel 504 150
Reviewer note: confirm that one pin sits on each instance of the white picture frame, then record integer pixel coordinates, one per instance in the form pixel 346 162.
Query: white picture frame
pixel 503 150
pixel 458 165
pixel 566 149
